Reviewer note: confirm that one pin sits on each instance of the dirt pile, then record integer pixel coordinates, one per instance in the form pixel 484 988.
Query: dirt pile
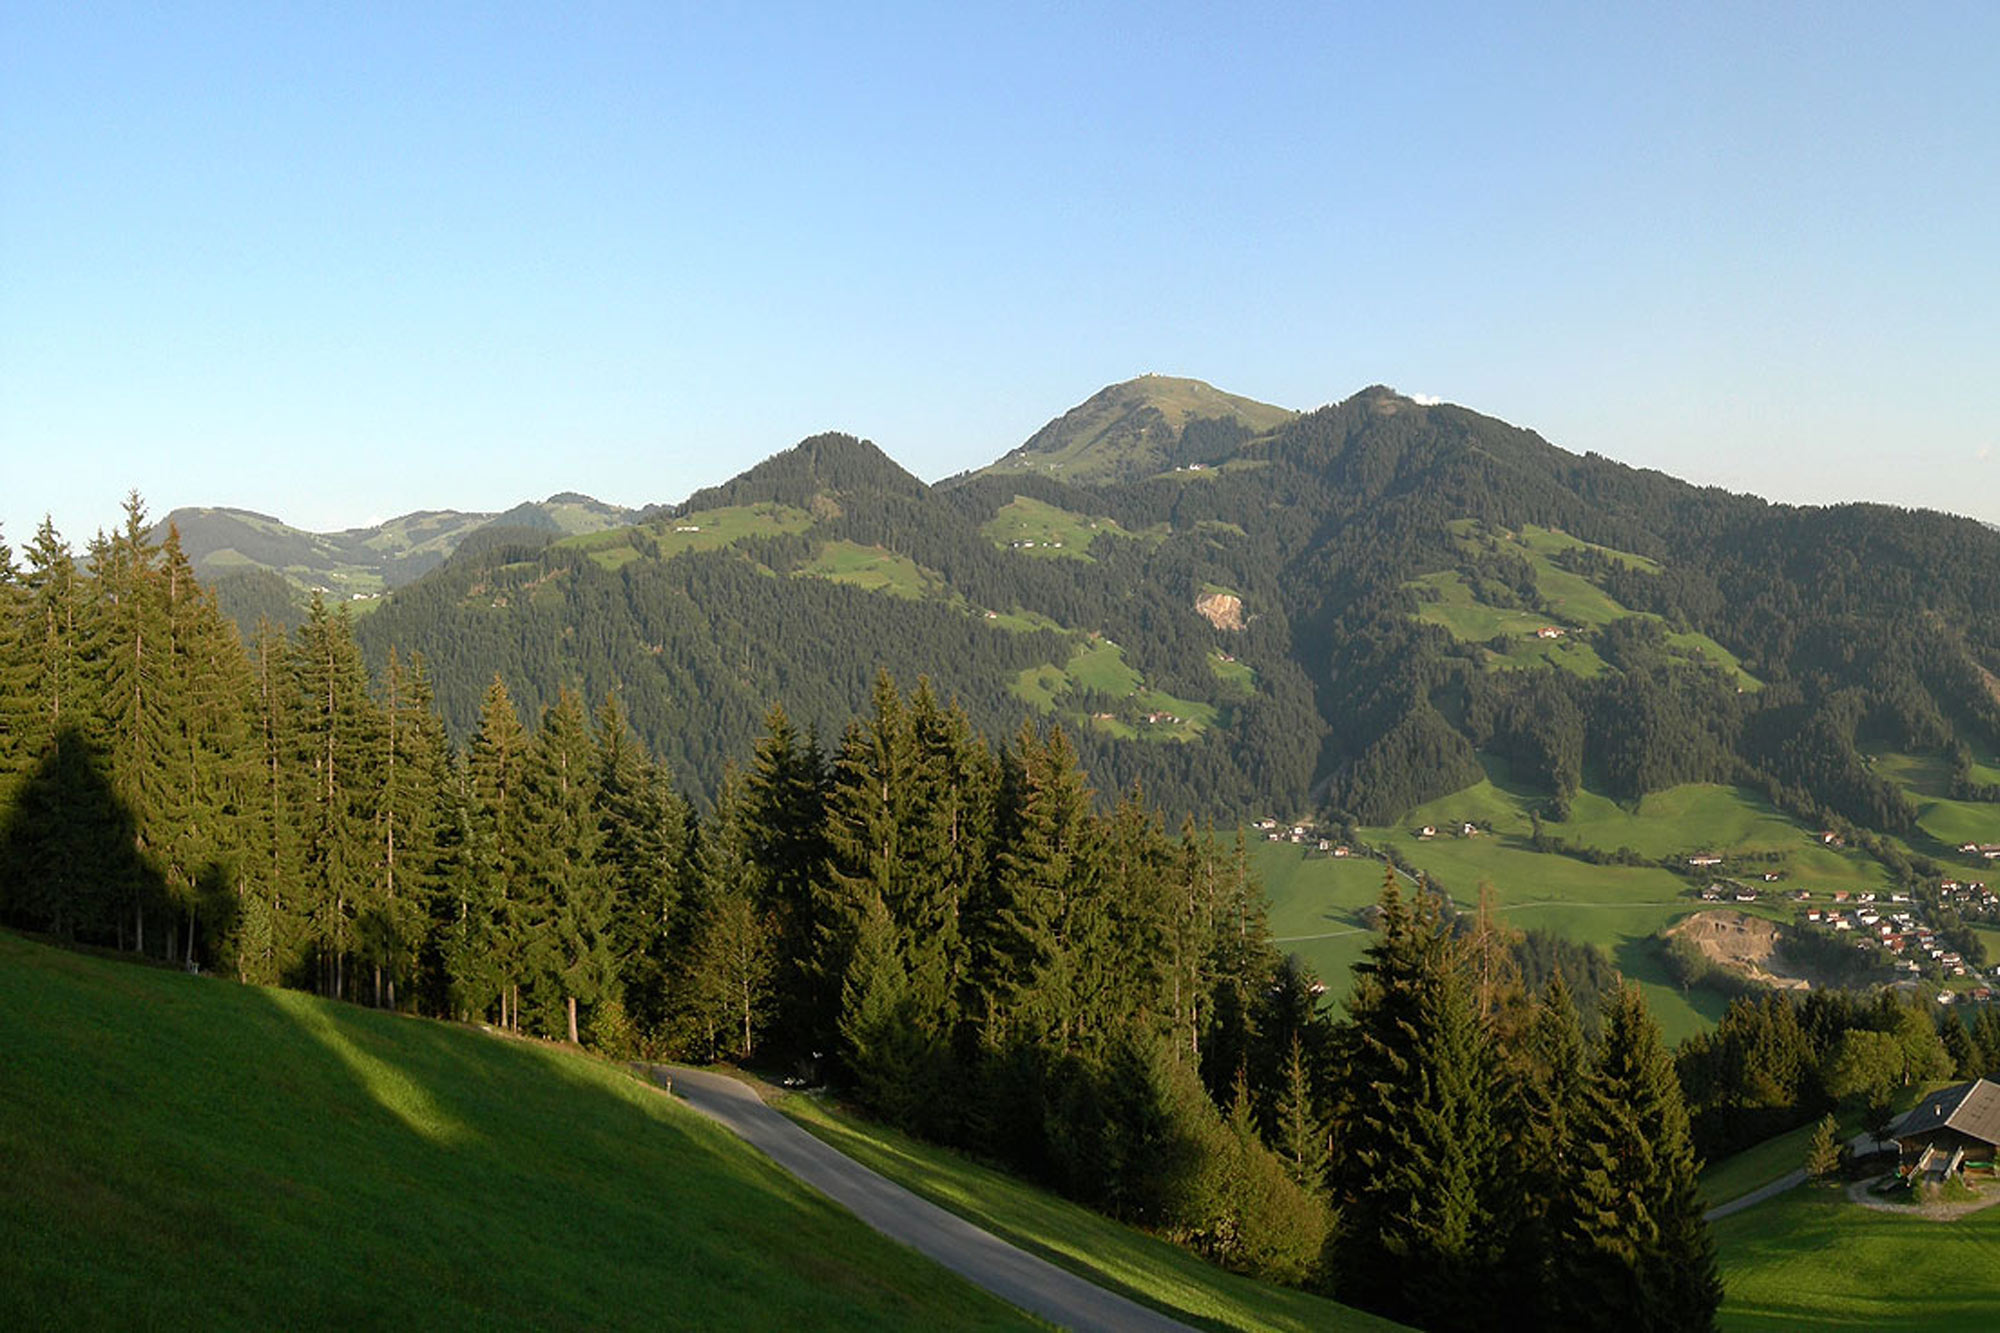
pixel 1224 610
pixel 1746 945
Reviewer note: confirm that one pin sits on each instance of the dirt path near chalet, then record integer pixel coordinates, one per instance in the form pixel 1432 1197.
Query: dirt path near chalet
pixel 1930 1212
pixel 1011 1273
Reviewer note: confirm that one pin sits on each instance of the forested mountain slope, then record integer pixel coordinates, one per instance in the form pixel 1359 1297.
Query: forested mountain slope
pixel 1338 615
pixel 260 565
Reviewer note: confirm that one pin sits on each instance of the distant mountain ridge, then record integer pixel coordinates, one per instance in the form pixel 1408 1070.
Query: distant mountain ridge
pixel 262 565
pixel 1346 614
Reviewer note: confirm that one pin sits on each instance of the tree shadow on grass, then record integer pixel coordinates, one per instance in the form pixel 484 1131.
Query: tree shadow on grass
pixel 541 1186
pixel 70 863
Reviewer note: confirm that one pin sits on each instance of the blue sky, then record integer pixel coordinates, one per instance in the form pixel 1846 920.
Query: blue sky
pixel 337 262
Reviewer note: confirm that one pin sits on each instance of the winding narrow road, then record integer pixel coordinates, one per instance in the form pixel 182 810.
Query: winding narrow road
pixel 1012 1274
pixel 1859 1144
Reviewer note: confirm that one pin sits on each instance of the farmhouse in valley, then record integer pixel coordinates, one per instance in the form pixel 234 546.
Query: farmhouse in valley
pixel 1950 1130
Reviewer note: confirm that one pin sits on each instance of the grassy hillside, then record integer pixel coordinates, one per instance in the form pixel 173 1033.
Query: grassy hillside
pixel 187 1152
pixel 1125 1260
pixel 1943 823
pixel 1038 528
pixel 1132 429
pixel 1127 707
pixel 709 530
pixel 1810 1259
pixel 1474 606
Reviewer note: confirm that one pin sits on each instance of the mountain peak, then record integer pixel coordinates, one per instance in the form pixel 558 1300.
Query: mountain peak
pixel 1142 426
pixel 830 463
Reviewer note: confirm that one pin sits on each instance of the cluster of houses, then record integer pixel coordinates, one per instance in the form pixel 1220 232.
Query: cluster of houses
pixel 1986 851
pixel 1969 899
pixel 1303 835
pixel 1029 545
pixel 1429 831
pixel 1911 946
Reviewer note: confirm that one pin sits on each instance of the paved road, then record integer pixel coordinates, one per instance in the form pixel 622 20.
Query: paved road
pixel 1859 1144
pixel 1012 1274
pixel 1756 1196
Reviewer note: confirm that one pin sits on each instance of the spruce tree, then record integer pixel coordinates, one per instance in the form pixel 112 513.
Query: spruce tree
pixel 565 892
pixel 1542 1096
pixel 787 788
pixel 1823 1152
pixel 412 821
pixel 337 733
pixel 268 927
pixel 128 646
pixel 483 955
pixel 1301 1138
pixel 731 957
pixel 1986 1036
pixel 1635 1252
pixel 16 705
pixel 867 824
pixel 880 1047
pixel 1959 1048
pixel 208 764
pixel 1416 1165
pixel 53 643
pixel 1046 923
pixel 648 852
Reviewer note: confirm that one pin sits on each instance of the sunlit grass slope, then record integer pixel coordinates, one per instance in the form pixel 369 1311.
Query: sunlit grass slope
pixel 1810 1259
pixel 1488 616
pixel 187 1152
pixel 1112 1255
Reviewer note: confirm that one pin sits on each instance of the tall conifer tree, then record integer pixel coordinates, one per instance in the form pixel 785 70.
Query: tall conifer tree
pixel 1635 1252
pixel 563 882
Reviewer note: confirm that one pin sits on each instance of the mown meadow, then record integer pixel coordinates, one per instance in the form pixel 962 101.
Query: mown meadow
pixel 181 1151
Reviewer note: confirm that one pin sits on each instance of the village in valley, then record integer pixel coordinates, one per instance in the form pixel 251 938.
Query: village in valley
pixel 1918 940
pixel 1791 934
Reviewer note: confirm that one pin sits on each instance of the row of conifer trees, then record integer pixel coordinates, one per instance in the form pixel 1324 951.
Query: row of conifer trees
pixel 959 933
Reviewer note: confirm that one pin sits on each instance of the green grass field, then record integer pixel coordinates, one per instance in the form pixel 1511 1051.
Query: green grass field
pixel 184 1152
pixel 1945 823
pixel 1143 713
pixel 1037 528
pixel 1620 908
pixel 874 569
pixel 1759 1165
pixel 709 530
pixel 1313 905
pixel 1232 672
pixel 1809 1259
pixel 1128 1261
pixel 1551 541
pixel 1570 601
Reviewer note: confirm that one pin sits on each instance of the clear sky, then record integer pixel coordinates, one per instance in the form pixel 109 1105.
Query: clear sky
pixel 336 262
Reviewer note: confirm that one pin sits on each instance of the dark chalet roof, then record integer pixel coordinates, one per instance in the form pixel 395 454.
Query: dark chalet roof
pixel 1972 1109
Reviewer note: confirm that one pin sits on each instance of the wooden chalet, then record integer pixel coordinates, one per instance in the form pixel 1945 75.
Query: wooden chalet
pixel 1949 1130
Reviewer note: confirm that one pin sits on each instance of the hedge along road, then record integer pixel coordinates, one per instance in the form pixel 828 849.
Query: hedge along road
pixel 1011 1273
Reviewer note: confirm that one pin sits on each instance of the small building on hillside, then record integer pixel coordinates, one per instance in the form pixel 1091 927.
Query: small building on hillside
pixel 1949 1131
